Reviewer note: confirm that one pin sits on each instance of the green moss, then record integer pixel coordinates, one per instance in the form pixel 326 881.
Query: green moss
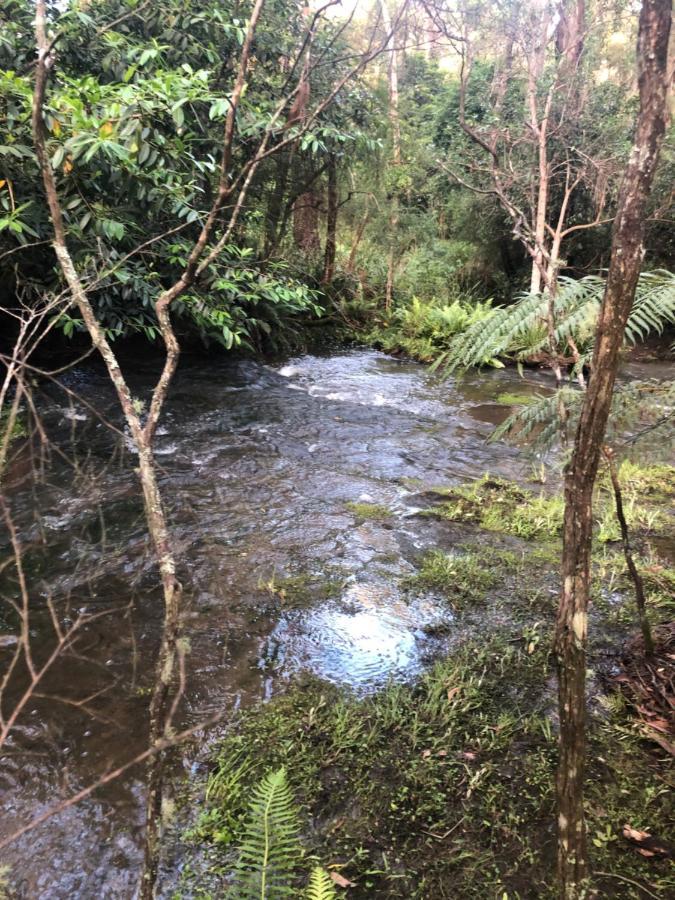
pixel 655 480
pixel 19 428
pixel 507 399
pixel 445 788
pixel 539 517
pixel 639 517
pixel 303 589
pixel 458 578
pixel 381 777
pixel 498 505
pixel 611 578
pixel 369 511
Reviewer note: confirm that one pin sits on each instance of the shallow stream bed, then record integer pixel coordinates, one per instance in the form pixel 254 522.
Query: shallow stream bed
pixel 293 492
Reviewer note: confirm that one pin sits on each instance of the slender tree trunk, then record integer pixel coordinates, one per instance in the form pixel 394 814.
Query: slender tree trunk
pixel 396 160
pixel 142 432
pixel 331 222
pixel 636 578
pixel 356 242
pixel 142 437
pixel 306 223
pixel 540 217
pixel 626 259
pixel 275 205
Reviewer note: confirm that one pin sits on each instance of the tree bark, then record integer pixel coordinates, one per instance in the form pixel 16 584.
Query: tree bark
pixel 275 205
pixel 306 223
pixel 331 222
pixel 626 259
pixel 358 237
pixel 142 432
pixel 142 436
pixel 395 158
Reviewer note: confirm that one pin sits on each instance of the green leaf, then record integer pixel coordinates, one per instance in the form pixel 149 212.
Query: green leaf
pixel 270 848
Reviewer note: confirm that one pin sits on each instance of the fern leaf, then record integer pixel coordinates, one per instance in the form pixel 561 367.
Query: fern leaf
pixel 538 422
pixel 320 886
pixel 270 848
pixel 519 330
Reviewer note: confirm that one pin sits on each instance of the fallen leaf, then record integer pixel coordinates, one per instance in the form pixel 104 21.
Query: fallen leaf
pixel 646 844
pixel 452 692
pixel 660 725
pixel 426 754
pixel 661 741
pixel 632 834
pixel 341 881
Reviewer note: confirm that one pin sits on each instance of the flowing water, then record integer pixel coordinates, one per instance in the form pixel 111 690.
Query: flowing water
pixel 259 464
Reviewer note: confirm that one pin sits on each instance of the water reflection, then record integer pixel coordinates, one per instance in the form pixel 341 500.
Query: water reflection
pixel 366 639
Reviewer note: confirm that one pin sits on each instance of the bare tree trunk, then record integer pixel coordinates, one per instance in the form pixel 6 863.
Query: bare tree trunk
pixel 331 222
pixel 142 432
pixel 540 129
pixel 275 206
pixel 142 436
pixel 626 259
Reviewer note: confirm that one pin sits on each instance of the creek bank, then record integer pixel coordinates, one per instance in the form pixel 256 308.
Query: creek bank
pixel 444 786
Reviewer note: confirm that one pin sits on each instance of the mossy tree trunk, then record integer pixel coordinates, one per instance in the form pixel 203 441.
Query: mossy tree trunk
pixel 626 260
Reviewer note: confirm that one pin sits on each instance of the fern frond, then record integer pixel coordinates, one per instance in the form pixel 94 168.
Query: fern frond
pixel 270 848
pixel 320 886
pixel 654 305
pixel 538 421
pixel 639 409
pixel 226 783
pixel 520 330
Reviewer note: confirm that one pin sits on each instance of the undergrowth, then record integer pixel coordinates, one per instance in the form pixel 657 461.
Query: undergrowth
pixel 498 505
pixel 369 511
pixel 458 578
pixel 444 789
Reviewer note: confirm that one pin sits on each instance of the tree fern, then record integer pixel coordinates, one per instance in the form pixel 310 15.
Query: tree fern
pixel 519 330
pixel 538 422
pixel 638 409
pixel 654 305
pixel 270 849
pixel 320 886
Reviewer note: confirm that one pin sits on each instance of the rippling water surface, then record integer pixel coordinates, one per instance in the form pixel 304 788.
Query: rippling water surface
pixel 258 464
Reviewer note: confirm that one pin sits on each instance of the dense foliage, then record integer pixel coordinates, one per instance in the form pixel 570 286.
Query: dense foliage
pixel 135 117
pixel 135 114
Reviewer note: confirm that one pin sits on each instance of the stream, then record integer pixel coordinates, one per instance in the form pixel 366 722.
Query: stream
pixel 258 466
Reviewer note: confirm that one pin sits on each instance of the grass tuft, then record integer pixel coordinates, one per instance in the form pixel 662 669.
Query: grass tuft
pixel 369 511
pixel 457 578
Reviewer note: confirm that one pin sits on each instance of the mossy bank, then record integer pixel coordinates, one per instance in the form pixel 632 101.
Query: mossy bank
pixel 445 787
